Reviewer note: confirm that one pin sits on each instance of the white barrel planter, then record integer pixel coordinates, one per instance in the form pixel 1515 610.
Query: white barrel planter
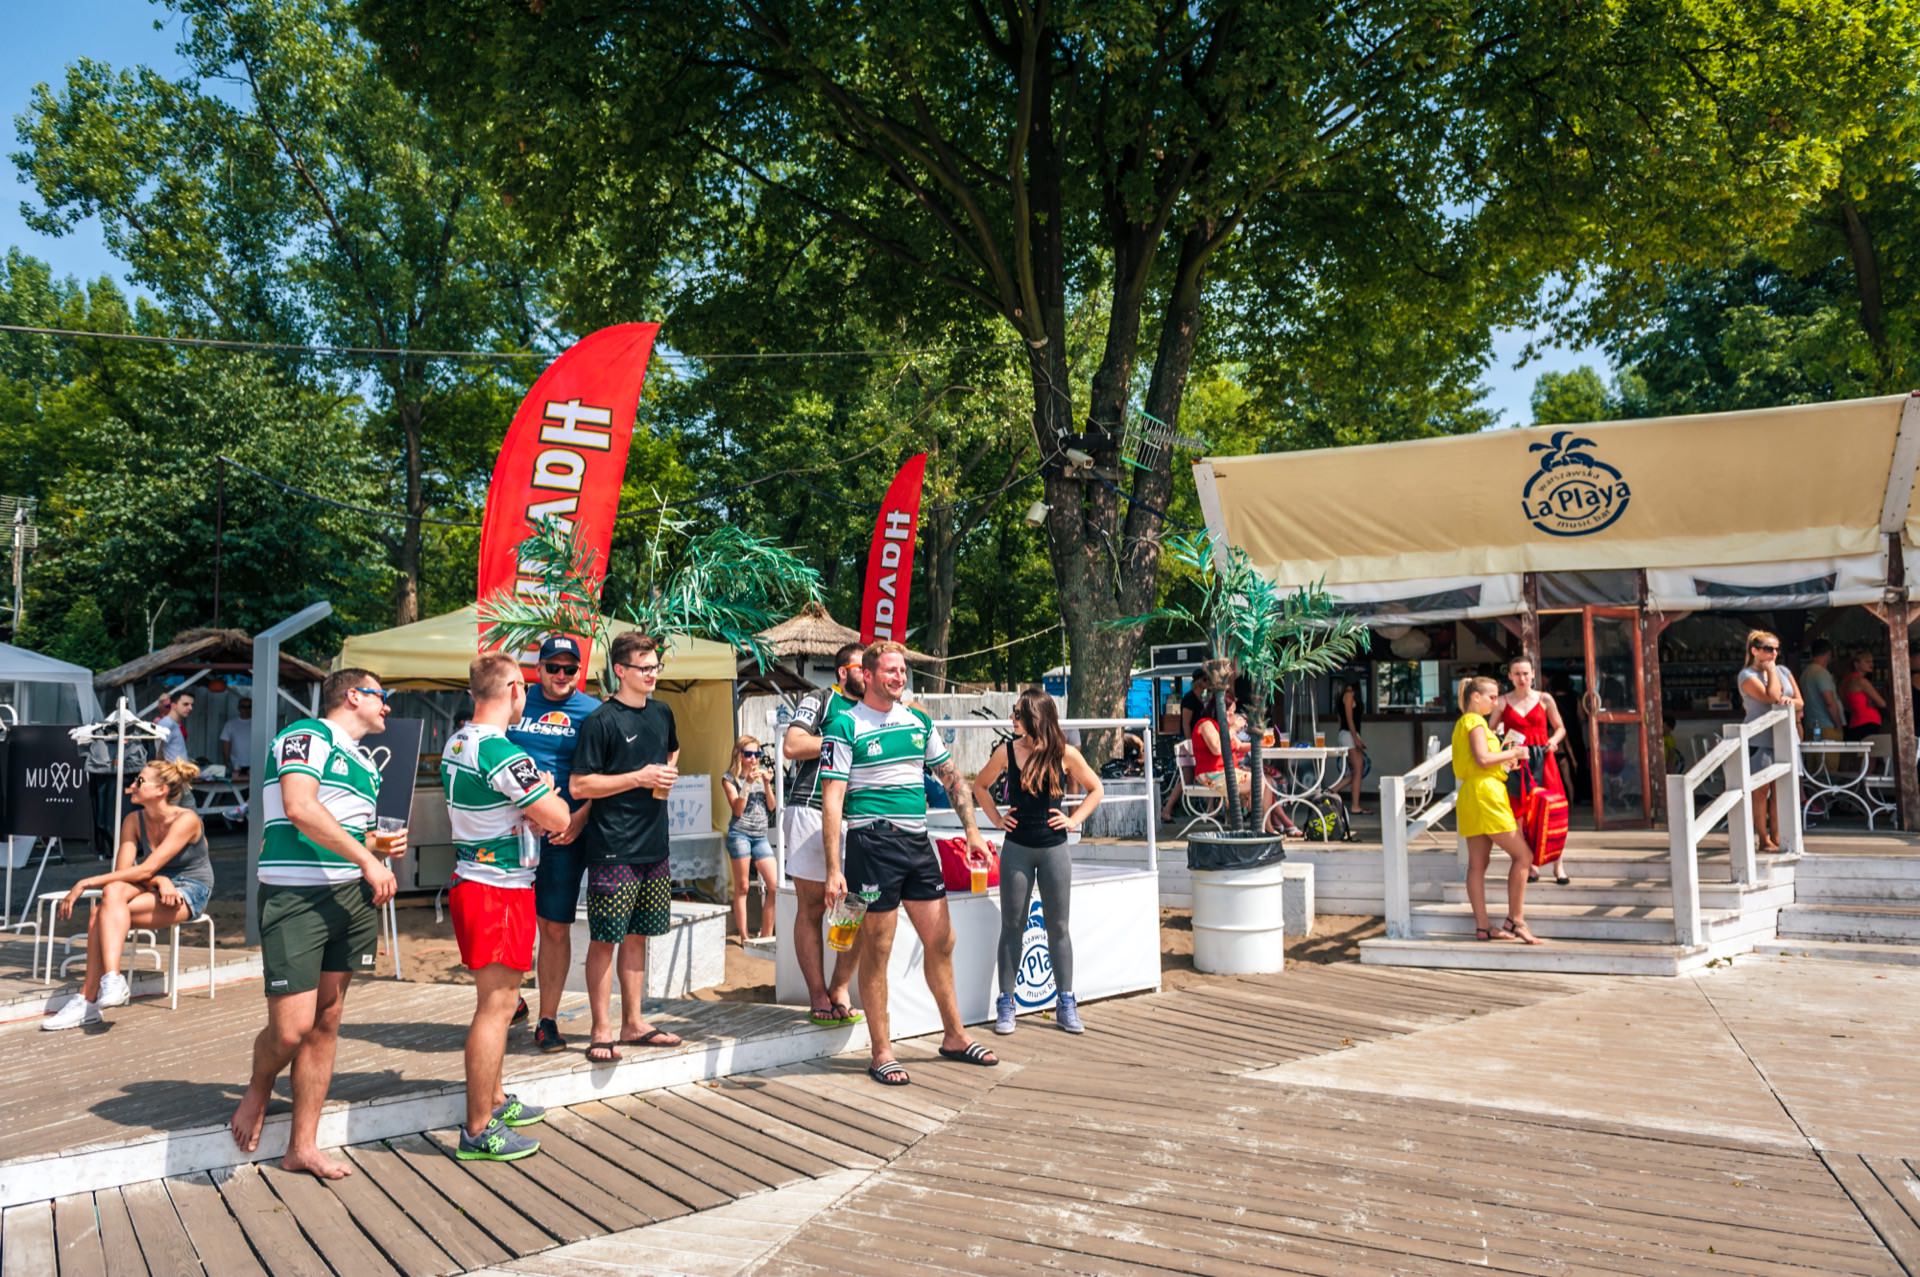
pixel 1239 920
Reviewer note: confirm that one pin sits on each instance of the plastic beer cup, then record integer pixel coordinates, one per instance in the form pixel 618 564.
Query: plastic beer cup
pixel 1319 740
pixel 843 922
pixel 384 835
pixel 1286 740
pixel 977 868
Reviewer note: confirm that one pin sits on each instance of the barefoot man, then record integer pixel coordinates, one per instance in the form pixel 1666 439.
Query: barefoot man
pixel 498 804
pixel 320 889
pixel 874 761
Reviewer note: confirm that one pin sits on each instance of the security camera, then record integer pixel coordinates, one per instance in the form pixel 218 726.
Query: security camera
pixel 1037 513
pixel 1078 460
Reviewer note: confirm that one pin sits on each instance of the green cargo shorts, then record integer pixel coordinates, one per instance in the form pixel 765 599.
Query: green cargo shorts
pixel 307 930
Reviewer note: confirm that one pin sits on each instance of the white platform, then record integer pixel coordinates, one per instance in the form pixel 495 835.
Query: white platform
pixel 692 955
pixel 1116 949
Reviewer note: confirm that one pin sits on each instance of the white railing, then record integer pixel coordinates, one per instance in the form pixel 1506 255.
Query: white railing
pixel 1141 725
pixel 1733 759
pixel 1399 827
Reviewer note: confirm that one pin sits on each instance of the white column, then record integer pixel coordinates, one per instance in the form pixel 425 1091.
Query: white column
pixel 1681 847
pixel 1393 846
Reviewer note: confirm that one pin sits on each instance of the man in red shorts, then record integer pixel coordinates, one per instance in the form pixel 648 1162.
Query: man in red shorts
pixel 498 804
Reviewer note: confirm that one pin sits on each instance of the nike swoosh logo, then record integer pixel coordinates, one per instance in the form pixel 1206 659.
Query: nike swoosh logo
pixel 633 738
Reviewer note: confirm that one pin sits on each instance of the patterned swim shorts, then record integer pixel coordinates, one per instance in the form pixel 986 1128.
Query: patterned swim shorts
pixel 628 900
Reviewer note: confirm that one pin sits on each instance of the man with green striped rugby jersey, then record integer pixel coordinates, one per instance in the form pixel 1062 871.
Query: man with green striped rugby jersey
pixel 874 760
pixel 800 828
pixel 498 803
pixel 320 888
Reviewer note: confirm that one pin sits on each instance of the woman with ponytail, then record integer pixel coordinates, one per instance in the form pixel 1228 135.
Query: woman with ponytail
pixel 1039 766
pixel 158 834
pixel 1486 819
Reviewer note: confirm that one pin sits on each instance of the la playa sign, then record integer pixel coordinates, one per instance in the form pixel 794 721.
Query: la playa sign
pixel 1573 493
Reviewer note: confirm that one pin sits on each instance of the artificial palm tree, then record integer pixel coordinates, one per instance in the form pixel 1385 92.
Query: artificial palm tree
pixel 1271 635
pixel 726 585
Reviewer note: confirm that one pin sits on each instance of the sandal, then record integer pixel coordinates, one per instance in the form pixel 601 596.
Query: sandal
pixel 1561 880
pixel 653 1037
pixel 1522 932
pixel 1492 933
pixel 972 1053
pixel 844 1015
pixel 1532 878
pixel 892 1073
pixel 824 1019
pixel 602 1053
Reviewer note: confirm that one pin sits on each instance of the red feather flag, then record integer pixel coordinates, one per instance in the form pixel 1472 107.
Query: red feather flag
pixel 883 609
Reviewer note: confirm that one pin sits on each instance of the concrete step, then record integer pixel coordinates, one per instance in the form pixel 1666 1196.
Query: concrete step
pixel 1630 892
pixel 1643 924
pixel 1843 951
pixel 1574 957
pixel 1871 921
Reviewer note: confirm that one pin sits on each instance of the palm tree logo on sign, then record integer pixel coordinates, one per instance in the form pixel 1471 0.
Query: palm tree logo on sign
pixel 1573 493
pixel 1033 979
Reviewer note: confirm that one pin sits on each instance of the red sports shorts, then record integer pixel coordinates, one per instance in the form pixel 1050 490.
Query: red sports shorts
pixel 493 924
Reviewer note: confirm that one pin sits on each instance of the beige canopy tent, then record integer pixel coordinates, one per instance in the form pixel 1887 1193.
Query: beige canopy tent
pixel 696 683
pixel 1810 506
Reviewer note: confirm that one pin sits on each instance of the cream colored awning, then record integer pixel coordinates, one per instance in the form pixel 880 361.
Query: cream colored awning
pixel 1812 482
pixel 437 651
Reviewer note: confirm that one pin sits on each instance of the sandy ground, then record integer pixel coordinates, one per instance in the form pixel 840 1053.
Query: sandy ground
pixel 1335 938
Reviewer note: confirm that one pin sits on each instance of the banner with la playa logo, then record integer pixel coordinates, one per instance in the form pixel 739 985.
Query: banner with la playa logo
pixel 1448 525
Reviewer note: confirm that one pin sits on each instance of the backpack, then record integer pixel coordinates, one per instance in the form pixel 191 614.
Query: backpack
pixel 1328 821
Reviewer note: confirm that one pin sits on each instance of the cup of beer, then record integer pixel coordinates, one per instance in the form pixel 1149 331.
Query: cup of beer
pixel 384 837
pixel 843 922
pixel 978 867
pixel 1319 740
pixel 1286 740
pixel 1266 738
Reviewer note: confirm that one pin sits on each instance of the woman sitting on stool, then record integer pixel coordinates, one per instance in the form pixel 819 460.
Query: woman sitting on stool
pixel 157 835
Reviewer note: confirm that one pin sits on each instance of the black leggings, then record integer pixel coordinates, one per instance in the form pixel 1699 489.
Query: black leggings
pixel 1021 869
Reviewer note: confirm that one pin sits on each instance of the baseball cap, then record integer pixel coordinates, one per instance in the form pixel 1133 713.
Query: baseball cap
pixel 559 645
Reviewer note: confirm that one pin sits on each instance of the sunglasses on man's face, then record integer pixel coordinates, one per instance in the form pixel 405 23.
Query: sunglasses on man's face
pixel 643 669
pixel 561 669
pixel 381 692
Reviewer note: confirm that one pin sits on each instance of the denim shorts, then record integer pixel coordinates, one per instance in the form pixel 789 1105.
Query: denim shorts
pixel 740 846
pixel 195 894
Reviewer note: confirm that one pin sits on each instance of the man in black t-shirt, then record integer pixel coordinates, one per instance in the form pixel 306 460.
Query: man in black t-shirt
pixel 625 763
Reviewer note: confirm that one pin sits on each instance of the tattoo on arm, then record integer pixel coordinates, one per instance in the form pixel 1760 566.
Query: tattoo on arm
pixel 958 792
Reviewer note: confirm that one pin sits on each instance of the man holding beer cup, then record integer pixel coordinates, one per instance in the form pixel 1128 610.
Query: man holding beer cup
pixel 625 764
pixel 874 761
pixel 498 803
pixel 321 884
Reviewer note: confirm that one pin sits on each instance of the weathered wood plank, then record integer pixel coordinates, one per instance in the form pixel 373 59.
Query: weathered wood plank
pixel 269 1225
pixel 76 1236
pixel 512 1229
pixel 515 1192
pixel 683 1190
pixel 607 1173
pixel 163 1239
pixel 652 1149
pixel 26 1241
pixel 462 1242
pixel 118 1242
pixel 217 1237
pixel 404 1243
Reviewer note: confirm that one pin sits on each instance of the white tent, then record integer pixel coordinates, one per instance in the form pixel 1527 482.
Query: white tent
pixel 44 690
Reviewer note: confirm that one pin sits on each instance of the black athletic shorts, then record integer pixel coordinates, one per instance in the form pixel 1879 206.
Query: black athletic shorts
pixel 888 864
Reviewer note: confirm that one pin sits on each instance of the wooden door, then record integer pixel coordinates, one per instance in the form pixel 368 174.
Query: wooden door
pixel 1616 718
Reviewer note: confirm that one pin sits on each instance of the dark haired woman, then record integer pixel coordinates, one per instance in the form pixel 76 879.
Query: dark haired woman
pixel 1039 766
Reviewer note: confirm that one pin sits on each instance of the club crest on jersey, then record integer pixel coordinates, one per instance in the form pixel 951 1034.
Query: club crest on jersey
pixel 524 773
pixel 297 749
pixel 919 740
pixel 338 766
pixel 873 749
pixel 456 746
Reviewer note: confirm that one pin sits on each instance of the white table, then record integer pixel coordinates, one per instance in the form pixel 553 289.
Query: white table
pixel 1829 775
pixel 224 798
pixel 1310 791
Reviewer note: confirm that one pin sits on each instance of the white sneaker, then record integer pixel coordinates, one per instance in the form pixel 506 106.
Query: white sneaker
pixel 73 1014
pixel 114 990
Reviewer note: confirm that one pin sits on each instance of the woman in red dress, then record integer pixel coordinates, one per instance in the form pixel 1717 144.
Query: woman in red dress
pixel 1534 715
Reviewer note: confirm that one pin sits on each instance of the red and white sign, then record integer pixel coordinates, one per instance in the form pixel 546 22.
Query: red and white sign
pixel 883 609
pixel 565 455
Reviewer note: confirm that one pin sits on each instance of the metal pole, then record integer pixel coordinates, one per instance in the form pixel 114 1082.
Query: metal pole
pixel 219 534
pixel 266 708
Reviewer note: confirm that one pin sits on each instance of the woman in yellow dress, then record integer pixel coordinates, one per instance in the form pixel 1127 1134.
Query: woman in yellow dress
pixel 1486 817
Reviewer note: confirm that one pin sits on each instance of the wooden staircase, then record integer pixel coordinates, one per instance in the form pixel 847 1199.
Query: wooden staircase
pixel 1616 918
pixel 1853 908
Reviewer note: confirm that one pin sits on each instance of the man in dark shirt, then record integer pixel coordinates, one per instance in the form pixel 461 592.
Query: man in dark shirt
pixel 626 763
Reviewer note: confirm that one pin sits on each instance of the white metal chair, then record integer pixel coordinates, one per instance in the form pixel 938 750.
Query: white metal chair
pixel 173 973
pixel 1204 802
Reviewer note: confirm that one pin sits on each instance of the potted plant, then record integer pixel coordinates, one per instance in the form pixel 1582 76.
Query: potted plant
pixel 726 585
pixel 1271 636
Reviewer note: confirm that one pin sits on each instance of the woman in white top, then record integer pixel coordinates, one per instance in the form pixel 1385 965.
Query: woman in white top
pixel 1765 686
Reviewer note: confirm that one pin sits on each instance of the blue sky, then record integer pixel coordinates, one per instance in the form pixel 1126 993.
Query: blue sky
pixel 42 39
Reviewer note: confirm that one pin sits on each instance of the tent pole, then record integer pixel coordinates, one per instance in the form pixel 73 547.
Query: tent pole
pixel 1898 615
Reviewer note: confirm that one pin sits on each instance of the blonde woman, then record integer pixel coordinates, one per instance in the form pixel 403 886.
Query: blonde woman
pixel 158 834
pixel 1765 685
pixel 748 782
pixel 1480 767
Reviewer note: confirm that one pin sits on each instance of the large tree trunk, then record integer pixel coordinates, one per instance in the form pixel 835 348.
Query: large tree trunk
pixel 943 546
pixel 1867 286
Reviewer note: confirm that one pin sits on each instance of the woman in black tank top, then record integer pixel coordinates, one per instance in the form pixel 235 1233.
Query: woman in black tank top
pixel 1040 766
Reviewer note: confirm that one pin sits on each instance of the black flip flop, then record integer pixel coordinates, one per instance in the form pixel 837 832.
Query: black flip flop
pixel 652 1038
pixel 973 1053
pixel 892 1073
pixel 608 1054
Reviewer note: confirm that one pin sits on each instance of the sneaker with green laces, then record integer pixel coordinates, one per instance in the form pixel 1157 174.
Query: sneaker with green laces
pixel 515 1113
pixel 497 1143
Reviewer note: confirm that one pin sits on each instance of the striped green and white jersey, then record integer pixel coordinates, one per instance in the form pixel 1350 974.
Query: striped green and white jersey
pixel 349 788
pixel 488 780
pixel 884 758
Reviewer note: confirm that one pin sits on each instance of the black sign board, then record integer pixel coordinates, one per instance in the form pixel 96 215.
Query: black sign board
pixel 399 764
pixel 46 785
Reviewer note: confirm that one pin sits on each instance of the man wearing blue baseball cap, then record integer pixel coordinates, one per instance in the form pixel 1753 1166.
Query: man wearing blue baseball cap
pixel 547 730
